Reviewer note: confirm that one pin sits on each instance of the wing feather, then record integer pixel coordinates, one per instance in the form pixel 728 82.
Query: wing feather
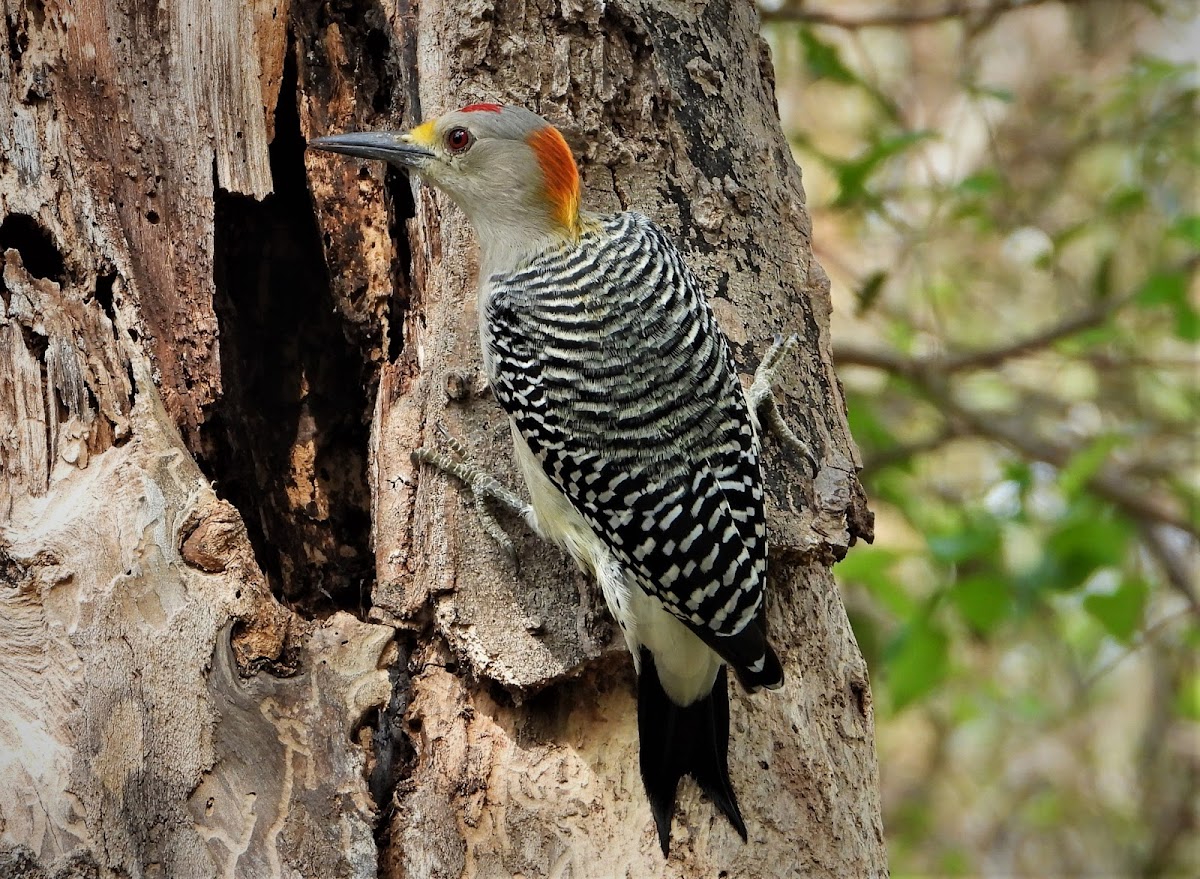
pixel 612 367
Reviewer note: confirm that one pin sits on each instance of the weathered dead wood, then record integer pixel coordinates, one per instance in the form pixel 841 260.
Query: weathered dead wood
pixel 160 713
pixel 128 730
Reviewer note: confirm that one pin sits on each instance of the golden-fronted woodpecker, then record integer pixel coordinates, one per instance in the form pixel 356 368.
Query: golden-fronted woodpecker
pixel 636 441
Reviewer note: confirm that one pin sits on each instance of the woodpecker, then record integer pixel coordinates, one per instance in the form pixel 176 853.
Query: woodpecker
pixel 630 425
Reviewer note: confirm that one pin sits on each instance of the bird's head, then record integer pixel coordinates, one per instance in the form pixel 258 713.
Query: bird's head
pixel 509 170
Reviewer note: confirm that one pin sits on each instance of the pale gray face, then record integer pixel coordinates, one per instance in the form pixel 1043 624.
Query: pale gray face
pixel 491 160
pixel 481 155
pixel 460 144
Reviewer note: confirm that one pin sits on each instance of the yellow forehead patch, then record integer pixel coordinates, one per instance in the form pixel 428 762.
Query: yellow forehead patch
pixel 423 134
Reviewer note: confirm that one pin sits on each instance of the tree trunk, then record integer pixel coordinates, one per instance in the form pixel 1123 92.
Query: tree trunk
pixel 234 617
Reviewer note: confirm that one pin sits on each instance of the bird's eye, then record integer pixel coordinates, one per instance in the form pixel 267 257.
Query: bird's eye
pixel 458 140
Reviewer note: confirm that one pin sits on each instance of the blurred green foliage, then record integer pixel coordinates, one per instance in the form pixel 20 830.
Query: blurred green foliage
pixel 1007 204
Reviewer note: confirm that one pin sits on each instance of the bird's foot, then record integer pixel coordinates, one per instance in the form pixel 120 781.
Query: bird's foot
pixel 480 484
pixel 764 377
pixel 761 398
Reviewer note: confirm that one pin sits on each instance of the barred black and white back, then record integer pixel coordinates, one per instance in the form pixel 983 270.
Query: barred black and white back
pixel 611 365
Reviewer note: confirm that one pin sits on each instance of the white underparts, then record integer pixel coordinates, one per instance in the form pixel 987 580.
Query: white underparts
pixel 687 667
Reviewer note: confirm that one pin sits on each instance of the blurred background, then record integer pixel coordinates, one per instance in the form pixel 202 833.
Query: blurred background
pixel 1005 196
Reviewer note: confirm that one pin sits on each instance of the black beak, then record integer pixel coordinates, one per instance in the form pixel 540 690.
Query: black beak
pixel 390 146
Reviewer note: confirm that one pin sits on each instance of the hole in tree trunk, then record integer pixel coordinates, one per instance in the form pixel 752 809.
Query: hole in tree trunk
pixel 390 753
pixel 401 208
pixel 35 244
pixel 287 442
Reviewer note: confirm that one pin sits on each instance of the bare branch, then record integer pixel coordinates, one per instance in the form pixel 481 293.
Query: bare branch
pixel 1089 319
pixel 1116 487
pixel 900 17
pixel 879 358
pixel 944 364
pixel 986 358
pixel 1178 567
pixel 901 453
pixel 929 374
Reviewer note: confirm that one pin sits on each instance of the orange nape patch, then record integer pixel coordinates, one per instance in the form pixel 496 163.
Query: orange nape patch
pixel 560 173
pixel 484 108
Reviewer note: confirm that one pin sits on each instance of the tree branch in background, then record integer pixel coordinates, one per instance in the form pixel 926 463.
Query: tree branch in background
pixel 929 374
pixel 900 17
pixel 944 364
pixel 1116 487
pixel 1179 567
pixel 879 358
pixel 902 453
pixel 1093 317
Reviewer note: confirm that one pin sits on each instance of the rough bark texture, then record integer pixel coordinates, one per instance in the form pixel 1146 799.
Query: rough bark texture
pixel 240 635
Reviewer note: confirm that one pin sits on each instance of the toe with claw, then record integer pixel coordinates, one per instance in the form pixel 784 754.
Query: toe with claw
pixel 761 398
pixel 480 484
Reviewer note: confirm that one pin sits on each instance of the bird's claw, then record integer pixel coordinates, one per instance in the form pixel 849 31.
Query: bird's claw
pixel 480 484
pixel 763 406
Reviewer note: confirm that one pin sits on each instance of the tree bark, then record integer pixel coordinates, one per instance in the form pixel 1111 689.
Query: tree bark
pixel 241 635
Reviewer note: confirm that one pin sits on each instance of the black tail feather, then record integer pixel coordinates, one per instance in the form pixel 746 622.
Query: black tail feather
pixel 748 653
pixel 679 741
pixel 764 671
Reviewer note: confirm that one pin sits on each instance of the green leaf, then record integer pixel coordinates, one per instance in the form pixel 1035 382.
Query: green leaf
pixel 980 183
pixel 978 538
pixel 867 633
pixel 956 862
pixel 1187 322
pixel 1088 537
pixel 1086 463
pixel 852 175
pixel 867 563
pixel 873 568
pixel 982 601
pixel 1084 341
pixel 1019 471
pixel 867 294
pixel 824 61
pixel 1120 612
pixel 868 429
pixel 1163 288
pixel 1187 700
pixel 1125 199
pixel 1171 289
pixel 1082 547
pixel 1187 228
pixel 1072 232
pixel 1158 70
pixel 917 661
pixel 991 91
